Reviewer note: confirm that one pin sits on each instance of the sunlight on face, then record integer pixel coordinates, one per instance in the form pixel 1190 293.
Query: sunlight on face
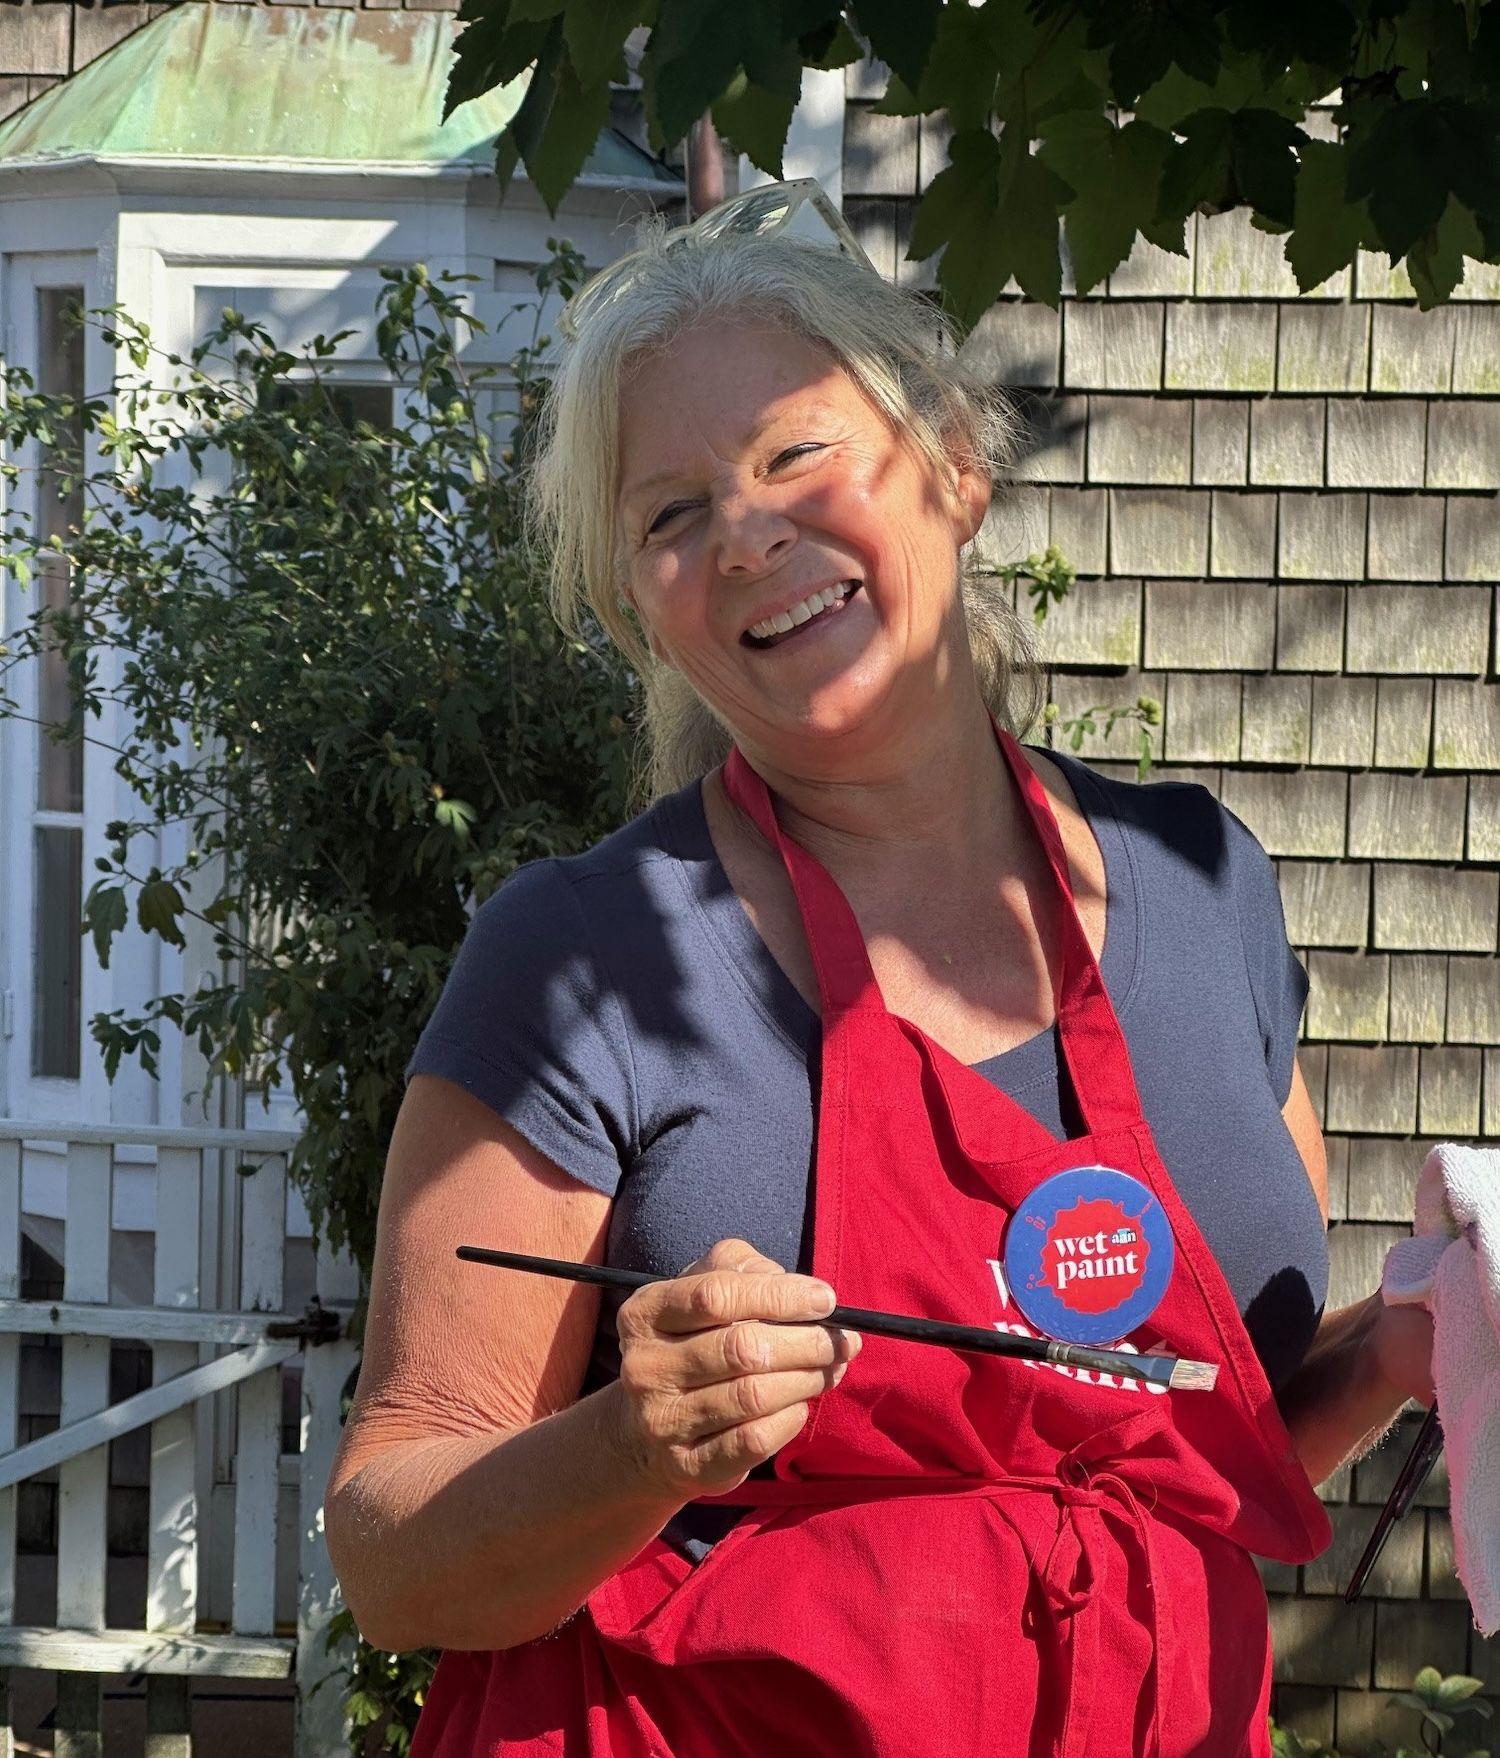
pixel 758 485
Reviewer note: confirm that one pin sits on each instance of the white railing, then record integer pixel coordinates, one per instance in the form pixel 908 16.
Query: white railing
pixel 219 1339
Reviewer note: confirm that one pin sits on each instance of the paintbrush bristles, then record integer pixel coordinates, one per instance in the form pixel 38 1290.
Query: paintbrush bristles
pixel 1194 1376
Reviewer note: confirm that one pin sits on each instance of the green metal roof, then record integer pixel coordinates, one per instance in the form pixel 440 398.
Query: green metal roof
pixel 213 81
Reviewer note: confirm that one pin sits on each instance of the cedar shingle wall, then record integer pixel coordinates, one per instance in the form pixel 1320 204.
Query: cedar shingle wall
pixel 42 41
pixel 1284 509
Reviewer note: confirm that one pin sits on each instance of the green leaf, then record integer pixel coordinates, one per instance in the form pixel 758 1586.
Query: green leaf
pixel 522 138
pixel 1327 229
pixel 489 52
pixel 1427 1684
pixel 1436 261
pixel 1116 173
pixel 595 32
pixel 994 213
pixel 695 52
pixel 104 915
pixel 157 908
pixel 1459 1688
pixel 830 50
pixel 575 118
pixel 959 76
pixel 900 33
pixel 756 119
pixel 1198 173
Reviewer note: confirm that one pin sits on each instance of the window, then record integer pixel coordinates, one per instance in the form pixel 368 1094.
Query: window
pixel 57 820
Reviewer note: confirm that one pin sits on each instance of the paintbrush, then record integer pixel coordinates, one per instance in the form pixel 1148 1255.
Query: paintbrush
pixel 1157 1370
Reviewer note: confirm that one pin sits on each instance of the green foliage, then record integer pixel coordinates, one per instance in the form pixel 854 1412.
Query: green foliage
pixel 1438 1701
pixel 350 712
pixel 383 1692
pixel 1219 98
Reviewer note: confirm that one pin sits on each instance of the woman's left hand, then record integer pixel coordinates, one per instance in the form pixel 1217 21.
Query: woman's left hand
pixel 1401 1345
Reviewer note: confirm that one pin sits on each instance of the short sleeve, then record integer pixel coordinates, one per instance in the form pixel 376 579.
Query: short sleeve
pixel 530 1023
pixel 1278 980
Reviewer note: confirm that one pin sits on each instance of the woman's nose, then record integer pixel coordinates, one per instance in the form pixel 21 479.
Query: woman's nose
pixel 751 538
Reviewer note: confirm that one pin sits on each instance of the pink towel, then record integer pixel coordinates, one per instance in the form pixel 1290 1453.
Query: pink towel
pixel 1451 1265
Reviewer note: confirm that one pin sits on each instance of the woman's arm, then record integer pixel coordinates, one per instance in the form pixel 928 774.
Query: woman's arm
pixel 473 1503
pixel 1366 1360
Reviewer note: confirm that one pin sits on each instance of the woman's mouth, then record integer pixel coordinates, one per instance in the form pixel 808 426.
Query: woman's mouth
pixel 788 624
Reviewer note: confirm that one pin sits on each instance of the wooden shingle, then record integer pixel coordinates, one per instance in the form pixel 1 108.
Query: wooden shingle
pixel 1321 1641
pixel 1112 347
pixel 1098 623
pixel 1080 527
pixel 880 153
pixel 1052 438
pixel 1484 818
pixel 1015 343
pixel 1310 628
pixel 1473 1000
pixel 1403 723
pixel 1377 442
pixel 1476 350
pixel 1220 346
pixel 1343 722
pixel 1326 903
pixel 1286 441
pixel 1471 549
pixel 1194 625
pixel 1406 817
pixel 1448 1092
pixel 1430 908
pixel 1221 441
pixel 1149 272
pixel 1349 996
pixel 1158 531
pixel 1372 1091
pixel 1419 999
pixel 1203 717
pixel 1299 814
pixel 1410 350
pixel 1463 445
pixel 1411 1636
pixel 1322 536
pixel 1235 260
pixel 1277 725
pixel 1406 536
pixel 1140 439
pixel 1242 536
pixel 1466 726
pixel 1382 1181
pixel 1418 629
pixel 1323 348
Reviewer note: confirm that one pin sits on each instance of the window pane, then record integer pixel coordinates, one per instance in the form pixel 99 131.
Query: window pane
pixel 59 374
pixel 58 992
pixel 59 764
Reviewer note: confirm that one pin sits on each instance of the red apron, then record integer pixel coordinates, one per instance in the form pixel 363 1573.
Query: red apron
pixel 959 1555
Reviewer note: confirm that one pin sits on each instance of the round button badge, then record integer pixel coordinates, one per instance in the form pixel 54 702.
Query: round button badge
pixel 1088 1255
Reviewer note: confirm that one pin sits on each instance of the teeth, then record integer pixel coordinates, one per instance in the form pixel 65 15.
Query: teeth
pixel 801 613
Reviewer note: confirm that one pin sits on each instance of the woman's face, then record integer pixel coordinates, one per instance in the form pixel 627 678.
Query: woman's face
pixel 757 485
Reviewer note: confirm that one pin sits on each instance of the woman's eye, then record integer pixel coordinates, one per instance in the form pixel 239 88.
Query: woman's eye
pixel 798 451
pixel 666 514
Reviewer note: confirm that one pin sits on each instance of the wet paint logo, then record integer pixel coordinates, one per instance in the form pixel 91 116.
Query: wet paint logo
pixel 1094 1256
pixel 1088 1255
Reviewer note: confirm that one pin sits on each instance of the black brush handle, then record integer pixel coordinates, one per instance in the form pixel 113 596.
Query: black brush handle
pixel 902 1326
pixel 1412 1475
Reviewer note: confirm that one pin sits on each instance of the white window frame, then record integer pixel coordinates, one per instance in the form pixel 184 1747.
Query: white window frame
pixel 22 1093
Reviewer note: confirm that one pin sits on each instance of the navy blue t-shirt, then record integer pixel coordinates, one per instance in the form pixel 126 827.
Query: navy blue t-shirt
pixel 619 1009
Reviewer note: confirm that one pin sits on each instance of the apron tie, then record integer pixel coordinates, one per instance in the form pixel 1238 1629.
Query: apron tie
pixel 1069 1576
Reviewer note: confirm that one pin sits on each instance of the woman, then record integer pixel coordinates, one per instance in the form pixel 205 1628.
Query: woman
pixel 820 1023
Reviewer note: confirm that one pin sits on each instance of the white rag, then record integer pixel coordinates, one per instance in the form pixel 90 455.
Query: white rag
pixel 1451 1265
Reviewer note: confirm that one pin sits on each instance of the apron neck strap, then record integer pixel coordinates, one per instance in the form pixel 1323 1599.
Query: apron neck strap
pixel 1092 1044
pixel 846 980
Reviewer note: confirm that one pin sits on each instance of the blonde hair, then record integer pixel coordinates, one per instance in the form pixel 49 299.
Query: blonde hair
pixel 894 346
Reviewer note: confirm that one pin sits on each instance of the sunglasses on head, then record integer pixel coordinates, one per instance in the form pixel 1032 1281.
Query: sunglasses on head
pixel 799 208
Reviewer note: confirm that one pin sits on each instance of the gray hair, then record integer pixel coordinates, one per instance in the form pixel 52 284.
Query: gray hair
pixel 896 348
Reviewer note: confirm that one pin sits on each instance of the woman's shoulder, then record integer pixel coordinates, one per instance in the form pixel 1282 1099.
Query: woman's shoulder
pixel 1172 823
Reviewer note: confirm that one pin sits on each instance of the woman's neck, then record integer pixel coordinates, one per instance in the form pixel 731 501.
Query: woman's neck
pixel 938 793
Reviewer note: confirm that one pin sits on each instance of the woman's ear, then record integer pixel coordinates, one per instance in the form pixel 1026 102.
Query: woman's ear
pixel 973 491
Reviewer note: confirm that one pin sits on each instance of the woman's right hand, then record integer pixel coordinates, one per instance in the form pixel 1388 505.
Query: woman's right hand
pixel 716 1370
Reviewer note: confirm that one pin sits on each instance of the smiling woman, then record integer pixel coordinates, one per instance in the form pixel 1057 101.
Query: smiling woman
pixel 877 1005
pixel 864 391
